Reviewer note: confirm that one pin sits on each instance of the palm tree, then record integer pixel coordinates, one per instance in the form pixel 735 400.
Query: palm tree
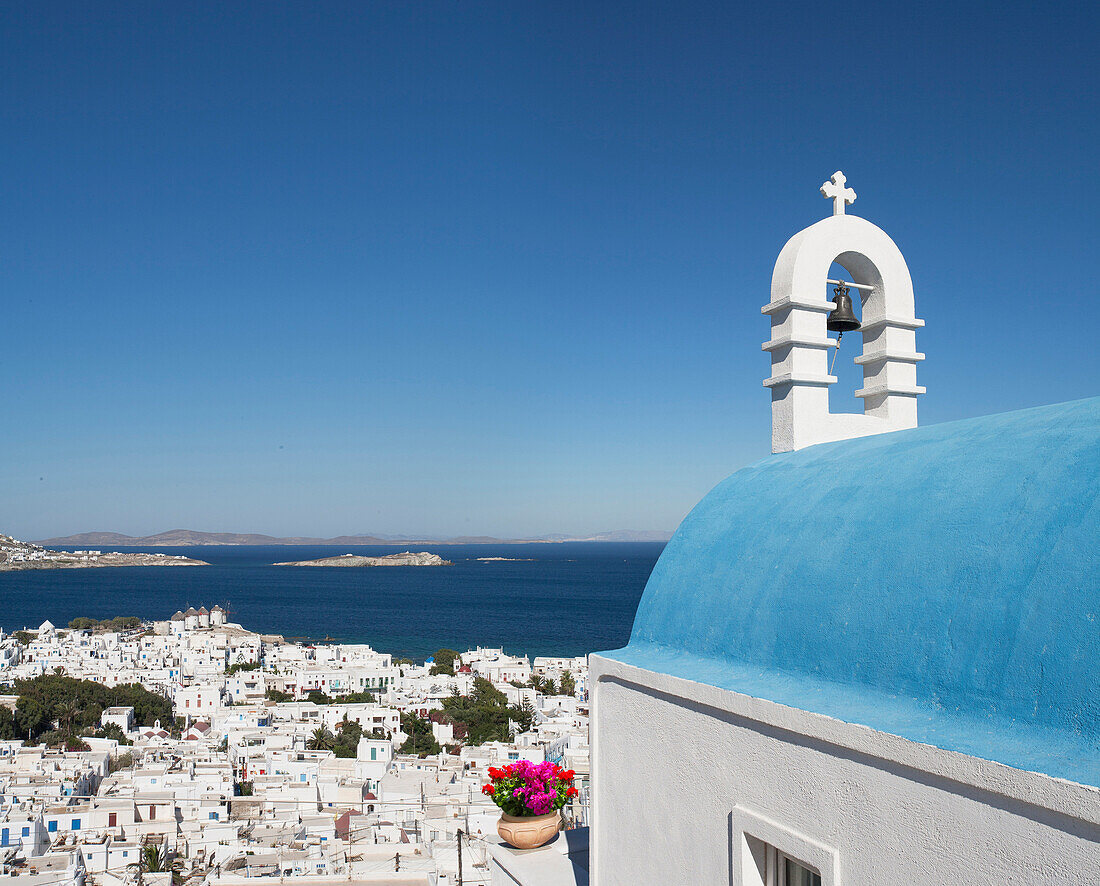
pixel 67 711
pixel 152 859
pixel 322 739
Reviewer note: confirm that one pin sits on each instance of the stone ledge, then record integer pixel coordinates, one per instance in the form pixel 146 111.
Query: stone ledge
pixel 561 862
pixel 788 340
pixel 887 354
pixel 902 390
pixel 794 378
pixel 807 304
pixel 893 321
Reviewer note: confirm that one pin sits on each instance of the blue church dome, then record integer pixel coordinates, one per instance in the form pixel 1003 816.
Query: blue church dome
pixel 941 584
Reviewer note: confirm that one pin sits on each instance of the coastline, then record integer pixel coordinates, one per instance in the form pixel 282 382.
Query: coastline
pixel 591 588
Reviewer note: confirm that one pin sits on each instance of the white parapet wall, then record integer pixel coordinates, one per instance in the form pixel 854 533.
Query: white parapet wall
pixel 690 781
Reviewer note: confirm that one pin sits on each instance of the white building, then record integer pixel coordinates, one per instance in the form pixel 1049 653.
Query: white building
pixel 122 717
pixel 869 661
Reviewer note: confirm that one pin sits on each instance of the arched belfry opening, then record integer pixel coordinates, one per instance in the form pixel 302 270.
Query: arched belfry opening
pixel 801 345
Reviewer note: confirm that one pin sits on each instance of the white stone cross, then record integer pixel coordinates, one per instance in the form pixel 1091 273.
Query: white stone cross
pixel 836 191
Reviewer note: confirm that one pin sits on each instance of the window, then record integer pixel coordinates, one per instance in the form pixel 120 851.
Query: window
pixel 795 874
pixel 112 819
pixel 374 753
pixel 76 824
pixel 213 816
pixel 52 827
pixel 769 854
pixel 26 832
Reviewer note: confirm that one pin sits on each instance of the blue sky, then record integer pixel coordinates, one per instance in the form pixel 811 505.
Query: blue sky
pixel 456 268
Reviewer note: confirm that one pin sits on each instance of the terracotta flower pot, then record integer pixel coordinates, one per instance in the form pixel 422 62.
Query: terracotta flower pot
pixel 528 831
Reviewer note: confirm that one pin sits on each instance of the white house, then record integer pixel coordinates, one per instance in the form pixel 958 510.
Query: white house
pixel 22 828
pixel 122 717
pixel 871 657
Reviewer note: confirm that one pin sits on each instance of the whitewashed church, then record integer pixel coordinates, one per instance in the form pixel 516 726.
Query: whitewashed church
pixel 872 658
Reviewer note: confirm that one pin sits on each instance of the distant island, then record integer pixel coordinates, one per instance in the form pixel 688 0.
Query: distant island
pixel 18 555
pixel 407 558
pixel 192 538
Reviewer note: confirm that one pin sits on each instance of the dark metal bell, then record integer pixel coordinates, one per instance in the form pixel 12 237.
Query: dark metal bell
pixel 842 318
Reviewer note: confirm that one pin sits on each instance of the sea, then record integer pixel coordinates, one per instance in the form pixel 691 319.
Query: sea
pixel 563 599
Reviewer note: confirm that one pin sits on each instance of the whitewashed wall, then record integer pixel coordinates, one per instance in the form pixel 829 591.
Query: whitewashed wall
pixel 680 769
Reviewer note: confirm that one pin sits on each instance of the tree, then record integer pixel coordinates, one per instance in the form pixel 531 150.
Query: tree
pixel 484 714
pixel 523 716
pixel 153 859
pixel 114 731
pixel 32 717
pixel 118 623
pixel 546 687
pixel 66 712
pixel 485 693
pixel 122 761
pixel 568 684
pixel 7 724
pixel 76 705
pixel 277 696
pixel 444 662
pixel 347 739
pixel 321 740
pixel 420 739
pixel 23 637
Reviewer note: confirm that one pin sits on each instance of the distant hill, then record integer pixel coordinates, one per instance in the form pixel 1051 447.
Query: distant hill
pixel 627 535
pixel 192 538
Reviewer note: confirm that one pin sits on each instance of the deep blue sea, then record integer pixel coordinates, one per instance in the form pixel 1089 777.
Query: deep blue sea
pixel 547 599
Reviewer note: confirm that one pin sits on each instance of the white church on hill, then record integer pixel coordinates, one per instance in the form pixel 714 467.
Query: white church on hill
pixel 872 658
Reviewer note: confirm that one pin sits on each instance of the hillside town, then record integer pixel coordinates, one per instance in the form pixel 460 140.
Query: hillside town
pixel 19 555
pixel 194 750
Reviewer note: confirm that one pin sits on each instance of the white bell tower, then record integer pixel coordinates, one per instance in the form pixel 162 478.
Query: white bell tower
pixel 800 343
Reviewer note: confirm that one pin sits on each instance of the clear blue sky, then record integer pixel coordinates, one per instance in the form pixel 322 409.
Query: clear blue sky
pixel 458 268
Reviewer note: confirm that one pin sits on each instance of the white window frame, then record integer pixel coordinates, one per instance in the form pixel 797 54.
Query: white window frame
pixel 775 842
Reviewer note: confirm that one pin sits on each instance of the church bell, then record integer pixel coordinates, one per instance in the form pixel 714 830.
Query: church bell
pixel 842 318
